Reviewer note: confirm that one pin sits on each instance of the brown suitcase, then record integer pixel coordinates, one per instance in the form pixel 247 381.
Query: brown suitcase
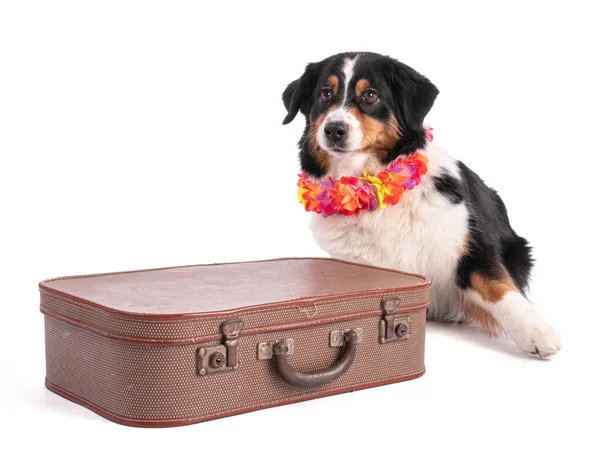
pixel 180 345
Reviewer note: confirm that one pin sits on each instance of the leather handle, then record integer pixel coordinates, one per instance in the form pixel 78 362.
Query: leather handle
pixel 322 377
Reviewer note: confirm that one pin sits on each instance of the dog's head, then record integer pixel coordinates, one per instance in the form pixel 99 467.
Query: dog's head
pixel 358 104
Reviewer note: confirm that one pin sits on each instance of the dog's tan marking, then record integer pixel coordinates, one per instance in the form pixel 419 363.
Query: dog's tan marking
pixel 483 319
pixel 333 83
pixel 378 137
pixel 489 289
pixel 361 86
pixel 492 290
pixel 320 155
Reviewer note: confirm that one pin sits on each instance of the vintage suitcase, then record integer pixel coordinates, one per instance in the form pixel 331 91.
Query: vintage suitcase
pixel 180 345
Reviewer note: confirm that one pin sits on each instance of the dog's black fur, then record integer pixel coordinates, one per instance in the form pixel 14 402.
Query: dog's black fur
pixel 492 240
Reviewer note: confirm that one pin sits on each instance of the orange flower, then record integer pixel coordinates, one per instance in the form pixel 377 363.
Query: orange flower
pixel 308 194
pixel 346 197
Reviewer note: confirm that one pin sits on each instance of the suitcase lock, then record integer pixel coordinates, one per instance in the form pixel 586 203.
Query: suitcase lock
pixel 393 326
pixel 221 357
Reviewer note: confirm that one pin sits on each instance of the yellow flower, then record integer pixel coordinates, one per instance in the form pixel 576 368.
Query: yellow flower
pixel 381 191
pixel 301 191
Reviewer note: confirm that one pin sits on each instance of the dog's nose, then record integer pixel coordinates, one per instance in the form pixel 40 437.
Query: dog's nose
pixel 336 131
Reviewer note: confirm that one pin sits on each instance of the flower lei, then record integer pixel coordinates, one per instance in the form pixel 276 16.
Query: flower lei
pixel 351 195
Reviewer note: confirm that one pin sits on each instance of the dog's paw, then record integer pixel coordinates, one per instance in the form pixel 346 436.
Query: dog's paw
pixel 533 335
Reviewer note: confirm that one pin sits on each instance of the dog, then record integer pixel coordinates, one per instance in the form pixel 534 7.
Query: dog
pixel 366 111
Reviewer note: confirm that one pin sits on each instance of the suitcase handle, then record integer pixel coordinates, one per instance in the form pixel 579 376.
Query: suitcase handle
pixel 322 377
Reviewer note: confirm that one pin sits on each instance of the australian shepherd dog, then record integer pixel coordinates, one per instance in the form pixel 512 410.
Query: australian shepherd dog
pixel 366 111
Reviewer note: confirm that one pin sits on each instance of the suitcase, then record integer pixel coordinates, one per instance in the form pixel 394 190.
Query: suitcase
pixel 181 345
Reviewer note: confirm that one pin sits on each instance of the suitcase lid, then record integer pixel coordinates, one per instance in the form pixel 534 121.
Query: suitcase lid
pixel 301 285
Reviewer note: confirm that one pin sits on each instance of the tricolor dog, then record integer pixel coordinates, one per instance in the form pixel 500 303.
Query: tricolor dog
pixel 383 192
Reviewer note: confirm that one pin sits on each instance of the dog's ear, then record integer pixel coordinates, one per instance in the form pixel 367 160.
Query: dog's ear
pixel 298 94
pixel 414 95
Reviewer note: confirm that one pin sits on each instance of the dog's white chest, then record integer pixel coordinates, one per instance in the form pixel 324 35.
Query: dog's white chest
pixel 425 233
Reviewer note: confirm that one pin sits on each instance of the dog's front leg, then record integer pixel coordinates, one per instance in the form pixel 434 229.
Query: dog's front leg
pixel 514 313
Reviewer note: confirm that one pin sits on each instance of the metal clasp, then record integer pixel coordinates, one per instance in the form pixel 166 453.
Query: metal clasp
pixel 337 338
pixel 221 357
pixel 266 349
pixel 393 326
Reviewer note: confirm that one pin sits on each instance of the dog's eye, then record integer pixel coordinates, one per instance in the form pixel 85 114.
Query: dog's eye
pixel 325 94
pixel 370 96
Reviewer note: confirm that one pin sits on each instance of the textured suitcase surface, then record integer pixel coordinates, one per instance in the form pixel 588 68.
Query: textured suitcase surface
pixel 180 345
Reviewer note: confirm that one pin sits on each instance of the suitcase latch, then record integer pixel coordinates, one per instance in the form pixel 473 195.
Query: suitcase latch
pixel 221 357
pixel 266 349
pixel 393 326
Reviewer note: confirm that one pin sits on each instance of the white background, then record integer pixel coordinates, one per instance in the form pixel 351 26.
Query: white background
pixel 146 134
